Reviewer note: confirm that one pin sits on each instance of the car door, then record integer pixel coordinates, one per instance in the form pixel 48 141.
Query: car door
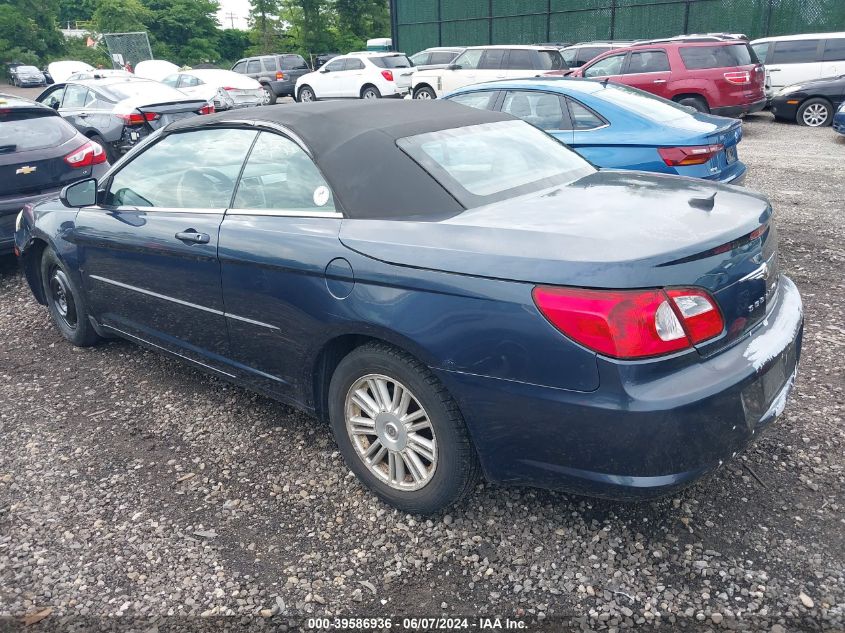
pixel 149 249
pixel 278 244
pixel 352 77
pixel 253 68
pixel 492 65
pixel 593 138
pixel 52 98
pixel 794 61
pixel 73 105
pixel 833 57
pixel 330 79
pixel 648 70
pixel 610 68
pixel 520 62
pixel 97 112
pixel 463 72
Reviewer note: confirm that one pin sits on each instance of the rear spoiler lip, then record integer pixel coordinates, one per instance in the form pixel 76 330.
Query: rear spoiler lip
pixel 172 106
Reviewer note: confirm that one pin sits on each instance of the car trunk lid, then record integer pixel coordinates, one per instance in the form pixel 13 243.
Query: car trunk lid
pixel 170 111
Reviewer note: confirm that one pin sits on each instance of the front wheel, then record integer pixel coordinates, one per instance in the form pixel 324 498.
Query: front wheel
pixel 424 93
pixel 306 95
pixel 370 92
pixel 815 113
pixel 695 102
pixel 399 430
pixel 65 302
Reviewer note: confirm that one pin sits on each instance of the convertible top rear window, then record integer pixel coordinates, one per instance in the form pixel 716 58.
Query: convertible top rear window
pixel 486 163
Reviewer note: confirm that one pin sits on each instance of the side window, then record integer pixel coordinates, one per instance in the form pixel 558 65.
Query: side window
pixel 171 80
pixel 253 67
pixel 648 62
pixel 420 59
pixel 54 99
pixel 468 60
pixel 335 65
pixel 189 81
pixel 761 50
pixel 492 59
pixel 269 64
pixel 520 59
pixel 75 96
pixel 541 109
pixel 605 67
pixel 240 67
pixel 95 101
pixel 582 118
pixel 166 174
pixel 279 175
pixel 834 50
pixel 480 100
pixel 795 52
pixel 441 57
pixel 354 64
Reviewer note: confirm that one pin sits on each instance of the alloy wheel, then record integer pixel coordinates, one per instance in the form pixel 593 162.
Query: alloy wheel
pixel 815 115
pixel 265 96
pixel 369 93
pixel 306 95
pixel 422 94
pixel 391 432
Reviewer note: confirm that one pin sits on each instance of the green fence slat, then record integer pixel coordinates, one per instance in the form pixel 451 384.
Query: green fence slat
pixel 528 29
pixel 466 33
pixel 410 11
pixel 465 9
pixel 520 7
pixel 580 26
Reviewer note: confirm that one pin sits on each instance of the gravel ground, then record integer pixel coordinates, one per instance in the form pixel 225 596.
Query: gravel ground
pixel 132 485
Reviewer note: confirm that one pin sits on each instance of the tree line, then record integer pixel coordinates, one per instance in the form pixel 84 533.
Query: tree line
pixel 187 32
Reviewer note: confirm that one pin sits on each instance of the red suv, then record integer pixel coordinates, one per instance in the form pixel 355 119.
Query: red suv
pixel 722 77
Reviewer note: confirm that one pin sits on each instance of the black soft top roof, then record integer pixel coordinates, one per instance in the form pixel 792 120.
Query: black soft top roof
pixel 354 144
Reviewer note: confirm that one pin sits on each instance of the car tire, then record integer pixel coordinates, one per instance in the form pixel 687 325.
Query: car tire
pixel 65 302
pixel 370 92
pixel 699 103
pixel 815 113
pixel 269 97
pixel 424 93
pixel 420 482
pixel 110 154
pixel 306 94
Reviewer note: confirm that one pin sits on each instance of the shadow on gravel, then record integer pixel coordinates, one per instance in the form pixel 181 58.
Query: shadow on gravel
pixel 8 265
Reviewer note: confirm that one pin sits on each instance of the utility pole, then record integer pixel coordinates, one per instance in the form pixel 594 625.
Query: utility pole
pixel 231 17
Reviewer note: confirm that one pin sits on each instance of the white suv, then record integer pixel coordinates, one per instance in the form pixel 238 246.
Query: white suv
pixel 488 63
pixel 358 76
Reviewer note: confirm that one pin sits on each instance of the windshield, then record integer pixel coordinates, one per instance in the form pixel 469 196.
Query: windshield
pixel 145 89
pixel 470 164
pixel 28 69
pixel 701 57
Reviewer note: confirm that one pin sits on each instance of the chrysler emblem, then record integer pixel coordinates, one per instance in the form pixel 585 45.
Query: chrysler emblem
pixel 26 169
pixel 760 273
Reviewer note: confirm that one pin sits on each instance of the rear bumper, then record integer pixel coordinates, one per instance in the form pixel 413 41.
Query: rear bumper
pixel 283 88
pixel 650 428
pixel 736 111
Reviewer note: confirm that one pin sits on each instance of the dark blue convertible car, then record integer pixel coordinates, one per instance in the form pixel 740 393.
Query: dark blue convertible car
pixel 452 289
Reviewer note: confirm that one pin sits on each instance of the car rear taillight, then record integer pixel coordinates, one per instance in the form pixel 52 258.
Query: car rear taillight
pixel 208 108
pixel 136 118
pixel 227 88
pixel 387 74
pixel 90 153
pixel 279 75
pixel 739 78
pixel 631 323
pixel 691 155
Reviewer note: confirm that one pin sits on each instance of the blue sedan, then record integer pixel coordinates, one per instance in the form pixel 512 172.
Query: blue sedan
pixel 619 127
pixel 448 307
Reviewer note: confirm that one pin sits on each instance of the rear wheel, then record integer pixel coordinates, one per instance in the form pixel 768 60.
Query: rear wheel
pixel 65 302
pixel 306 94
pixel 424 93
pixel 370 92
pixel 815 113
pixel 269 97
pixel 695 102
pixel 399 430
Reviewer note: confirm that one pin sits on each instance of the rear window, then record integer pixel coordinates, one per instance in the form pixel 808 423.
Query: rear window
pixel 470 164
pixel 292 62
pixel 726 56
pixel 24 131
pixel 551 60
pixel 391 61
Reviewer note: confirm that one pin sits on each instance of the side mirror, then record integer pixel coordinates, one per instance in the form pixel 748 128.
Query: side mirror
pixel 55 103
pixel 80 194
pixel 325 70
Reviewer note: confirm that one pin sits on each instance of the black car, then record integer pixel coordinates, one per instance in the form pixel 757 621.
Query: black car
pixel 276 73
pixel 39 154
pixel 117 112
pixel 811 103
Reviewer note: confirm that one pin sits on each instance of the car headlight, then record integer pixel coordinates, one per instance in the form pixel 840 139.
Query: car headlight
pixel 790 89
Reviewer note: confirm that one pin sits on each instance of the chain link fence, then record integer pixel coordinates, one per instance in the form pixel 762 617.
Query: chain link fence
pixel 128 48
pixel 418 24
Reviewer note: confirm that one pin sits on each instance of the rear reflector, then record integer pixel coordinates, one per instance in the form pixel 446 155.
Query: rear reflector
pixel 208 108
pixel 136 118
pixel 90 153
pixel 387 74
pixel 739 78
pixel 691 155
pixel 631 324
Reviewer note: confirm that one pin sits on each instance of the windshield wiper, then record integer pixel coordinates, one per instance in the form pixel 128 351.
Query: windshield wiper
pixel 8 149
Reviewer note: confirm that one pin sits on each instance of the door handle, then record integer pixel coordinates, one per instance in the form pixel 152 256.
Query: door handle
pixel 192 237
pixel 774 70
pixel 83 114
pixel 660 81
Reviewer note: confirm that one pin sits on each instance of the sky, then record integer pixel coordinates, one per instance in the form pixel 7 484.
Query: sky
pixel 240 9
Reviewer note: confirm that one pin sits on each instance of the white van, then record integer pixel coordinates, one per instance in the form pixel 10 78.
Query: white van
pixel 791 59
